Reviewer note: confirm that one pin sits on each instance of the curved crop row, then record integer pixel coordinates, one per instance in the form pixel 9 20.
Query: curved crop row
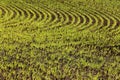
pixel 83 19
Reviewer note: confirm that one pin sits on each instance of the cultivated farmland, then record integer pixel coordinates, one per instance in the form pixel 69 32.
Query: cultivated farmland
pixel 59 40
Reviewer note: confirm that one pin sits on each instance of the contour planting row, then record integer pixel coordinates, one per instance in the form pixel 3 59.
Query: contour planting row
pixel 51 16
pixel 2 11
pixel 6 13
pixel 79 19
pixel 12 13
pixel 90 19
pixel 109 22
pixel 82 19
pixel 101 20
pixel 65 15
pixel 71 19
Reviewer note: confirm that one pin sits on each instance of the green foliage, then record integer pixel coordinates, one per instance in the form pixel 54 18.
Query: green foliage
pixel 59 40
